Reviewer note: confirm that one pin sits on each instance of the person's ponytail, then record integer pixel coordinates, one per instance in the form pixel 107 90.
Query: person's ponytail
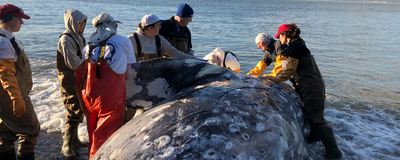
pixel 140 26
pixel 294 31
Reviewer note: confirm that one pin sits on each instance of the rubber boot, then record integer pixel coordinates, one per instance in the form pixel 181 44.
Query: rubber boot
pixel 325 133
pixel 313 135
pixel 128 115
pixel 29 156
pixel 89 147
pixel 77 142
pixel 8 155
pixel 67 147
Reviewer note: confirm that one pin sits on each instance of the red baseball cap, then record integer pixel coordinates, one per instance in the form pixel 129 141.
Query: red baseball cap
pixel 11 9
pixel 282 28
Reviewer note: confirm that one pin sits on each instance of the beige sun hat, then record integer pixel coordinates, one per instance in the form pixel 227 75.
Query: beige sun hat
pixel 105 26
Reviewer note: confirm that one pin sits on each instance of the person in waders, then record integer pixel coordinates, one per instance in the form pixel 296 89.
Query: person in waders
pixel 18 120
pixel 101 79
pixel 175 30
pixel 307 80
pixel 223 58
pixel 69 57
pixel 148 44
pixel 274 51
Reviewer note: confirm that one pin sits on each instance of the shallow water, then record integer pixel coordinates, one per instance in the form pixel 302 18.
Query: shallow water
pixel 354 43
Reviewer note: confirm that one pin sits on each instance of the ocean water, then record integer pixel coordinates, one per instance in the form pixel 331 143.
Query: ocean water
pixel 355 44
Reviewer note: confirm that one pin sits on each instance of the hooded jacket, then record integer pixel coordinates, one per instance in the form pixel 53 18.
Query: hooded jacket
pixel 67 58
pixel 149 47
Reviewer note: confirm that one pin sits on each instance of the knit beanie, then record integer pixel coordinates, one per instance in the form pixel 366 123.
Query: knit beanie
pixel 184 11
pixel 262 37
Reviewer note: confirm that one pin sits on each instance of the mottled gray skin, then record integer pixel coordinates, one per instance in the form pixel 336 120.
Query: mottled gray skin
pixel 211 113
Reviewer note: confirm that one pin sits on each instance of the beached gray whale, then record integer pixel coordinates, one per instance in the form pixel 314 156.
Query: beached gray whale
pixel 196 110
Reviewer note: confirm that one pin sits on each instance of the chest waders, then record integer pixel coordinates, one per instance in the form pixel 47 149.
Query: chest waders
pixel 181 44
pixel 144 57
pixel 66 78
pixel 69 96
pixel 310 86
pixel 102 93
pixel 26 128
pixel 177 37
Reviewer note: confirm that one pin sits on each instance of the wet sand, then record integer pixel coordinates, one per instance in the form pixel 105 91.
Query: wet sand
pixel 49 147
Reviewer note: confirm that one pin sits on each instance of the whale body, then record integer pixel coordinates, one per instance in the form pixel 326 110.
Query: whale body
pixel 196 110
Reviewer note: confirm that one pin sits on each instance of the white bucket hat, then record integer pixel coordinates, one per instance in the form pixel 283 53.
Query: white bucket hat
pixel 105 27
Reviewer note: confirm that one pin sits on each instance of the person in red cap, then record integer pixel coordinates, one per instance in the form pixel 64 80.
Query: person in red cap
pixel 305 76
pixel 18 120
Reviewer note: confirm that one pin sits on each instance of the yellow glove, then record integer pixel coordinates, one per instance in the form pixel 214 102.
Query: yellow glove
pixel 10 84
pixel 278 65
pixel 237 71
pixel 285 74
pixel 260 67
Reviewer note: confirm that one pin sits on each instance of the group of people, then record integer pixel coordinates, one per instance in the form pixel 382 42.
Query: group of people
pixel 85 85
pixel 92 75
pixel 294 62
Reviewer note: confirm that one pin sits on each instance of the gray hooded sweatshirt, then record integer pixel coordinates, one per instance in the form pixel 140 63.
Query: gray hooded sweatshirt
pixel 66 45
pixel 68 61
pixel 149 46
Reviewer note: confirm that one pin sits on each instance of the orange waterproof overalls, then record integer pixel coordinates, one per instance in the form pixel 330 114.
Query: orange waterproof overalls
pixel 102 94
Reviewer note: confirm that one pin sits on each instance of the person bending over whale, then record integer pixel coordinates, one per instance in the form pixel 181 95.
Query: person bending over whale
pixel 223 58
pixel 274 52
pixel 309 84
